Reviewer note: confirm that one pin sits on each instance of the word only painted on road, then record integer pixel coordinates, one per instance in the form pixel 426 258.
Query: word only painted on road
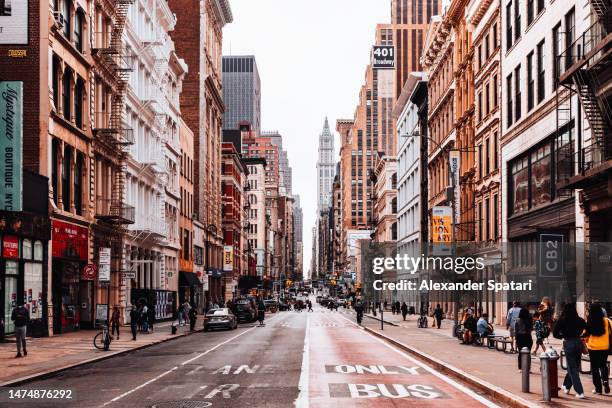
pixel 371 369
pixel 416 391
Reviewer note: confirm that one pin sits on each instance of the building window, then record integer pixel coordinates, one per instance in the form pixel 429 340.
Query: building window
pixel 509 25
pixel 494 36
pixel 517 20
pixel 519 193
pixel 495 220
pixel 66 92
pixel 66 15
pixel 78 102
pixel 479 106
pixel 487 52
pixel 570 31
pixel 66 177
pixel 55 82
pixel 529 12
pixel 54 168
pixel 486 219
pixel 541 73
pixel 540 6
pixel 495 151
pixel 480 161
pixel 517 92
pixel 530 82
pixel 509 111
pixel 185 245
pixel 487 157
pixel 480 221
pixel 487 104
pixel 78 183
pixel 556 38
pixel 78 30
pixel 541 176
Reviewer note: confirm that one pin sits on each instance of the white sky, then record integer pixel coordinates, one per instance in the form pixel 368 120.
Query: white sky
pixel 311 57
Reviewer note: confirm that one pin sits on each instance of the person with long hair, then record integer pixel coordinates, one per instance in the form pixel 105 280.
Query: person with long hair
pixel 522 331
pixel 597 333
pixel 570 327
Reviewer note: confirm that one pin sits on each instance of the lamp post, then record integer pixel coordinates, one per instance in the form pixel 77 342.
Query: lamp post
pixel 210 228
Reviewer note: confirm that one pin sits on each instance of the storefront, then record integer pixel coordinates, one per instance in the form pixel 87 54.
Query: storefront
pixel 189 287
pixel 23 270
pixel 73 292
pixel 162 301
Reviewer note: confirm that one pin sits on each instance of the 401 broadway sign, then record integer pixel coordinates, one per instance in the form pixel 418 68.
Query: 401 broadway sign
pixel 11 131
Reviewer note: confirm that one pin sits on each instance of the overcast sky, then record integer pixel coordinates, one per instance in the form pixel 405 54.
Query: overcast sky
pixel 311 57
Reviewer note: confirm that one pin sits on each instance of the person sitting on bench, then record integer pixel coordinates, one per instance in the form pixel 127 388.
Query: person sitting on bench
pixel 483 327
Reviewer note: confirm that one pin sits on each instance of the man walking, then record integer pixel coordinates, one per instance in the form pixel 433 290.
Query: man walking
pixel 21 317
pixel 511 319
pixel 309 305
pixel 134 317
pixel 193 315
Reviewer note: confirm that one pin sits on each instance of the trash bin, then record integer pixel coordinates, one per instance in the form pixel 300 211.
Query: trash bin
pixel 173 328
pixel 550 377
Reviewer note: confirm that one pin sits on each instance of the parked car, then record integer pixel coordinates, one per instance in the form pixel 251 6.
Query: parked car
pixel 271 305
pixel 244 311
pixel 324 300
pixel 319 297
pixel 283 305
pixel 219 319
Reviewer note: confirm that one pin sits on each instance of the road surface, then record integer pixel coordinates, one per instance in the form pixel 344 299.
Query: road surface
pixel 316 359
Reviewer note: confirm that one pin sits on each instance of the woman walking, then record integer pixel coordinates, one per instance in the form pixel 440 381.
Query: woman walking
pixel 570 327
pixel 404 309
pixel 115 321
pixel 597 333
pixel 522 330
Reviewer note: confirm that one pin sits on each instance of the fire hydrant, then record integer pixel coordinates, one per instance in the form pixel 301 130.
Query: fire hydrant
pixel 550 376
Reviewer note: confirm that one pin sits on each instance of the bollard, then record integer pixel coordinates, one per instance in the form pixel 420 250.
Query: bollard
pixel 525 368
pixel 544 370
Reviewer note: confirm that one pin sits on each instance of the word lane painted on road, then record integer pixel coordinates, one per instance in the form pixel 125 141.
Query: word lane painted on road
pixel 414 391
pixel 371 369
pixel 228 369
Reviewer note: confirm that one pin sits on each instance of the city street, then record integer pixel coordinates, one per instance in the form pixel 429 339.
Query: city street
pixel 318 359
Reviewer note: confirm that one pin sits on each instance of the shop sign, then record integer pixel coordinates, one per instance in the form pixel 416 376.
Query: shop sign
pixel 128 275
pixel 228 258
pixel 204 280
pixel 101 312
pixel 89 272
pixel 69 240
pixel 383 57
pixel 104 264
pixel 550 255
pixel 10 247
pixel 11 135
pixel 14 22
pixel 454 157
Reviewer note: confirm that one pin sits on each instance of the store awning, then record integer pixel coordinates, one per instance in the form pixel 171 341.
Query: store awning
pixel 188 279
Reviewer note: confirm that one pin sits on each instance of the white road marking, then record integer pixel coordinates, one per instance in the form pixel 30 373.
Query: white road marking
pixel 446 379
pixel 302 400
pixel 117 398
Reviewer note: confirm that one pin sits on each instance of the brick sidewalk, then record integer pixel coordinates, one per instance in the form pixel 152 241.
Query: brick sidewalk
pixel 481 362
pixel 48 354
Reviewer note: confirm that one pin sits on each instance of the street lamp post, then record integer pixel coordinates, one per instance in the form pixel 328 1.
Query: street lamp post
pixel 210 228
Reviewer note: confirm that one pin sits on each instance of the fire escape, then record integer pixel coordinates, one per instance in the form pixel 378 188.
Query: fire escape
pixel 581 69
pixel 110 128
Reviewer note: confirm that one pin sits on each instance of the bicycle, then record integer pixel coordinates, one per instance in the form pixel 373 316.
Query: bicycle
pixel 103 339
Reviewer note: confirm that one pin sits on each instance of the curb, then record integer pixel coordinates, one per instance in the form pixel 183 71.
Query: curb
pixel 490 389
pixel 54 371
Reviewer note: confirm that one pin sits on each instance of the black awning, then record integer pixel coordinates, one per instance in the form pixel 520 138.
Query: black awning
pixel 188 279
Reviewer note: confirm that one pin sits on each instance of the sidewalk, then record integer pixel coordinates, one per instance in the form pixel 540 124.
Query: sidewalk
pixel 492 369
pixel 47 355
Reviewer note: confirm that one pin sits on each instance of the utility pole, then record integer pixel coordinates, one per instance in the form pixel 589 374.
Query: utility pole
pixel 452 194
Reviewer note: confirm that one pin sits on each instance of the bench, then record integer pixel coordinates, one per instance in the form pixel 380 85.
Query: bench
pixel 499 343
pixel 584 358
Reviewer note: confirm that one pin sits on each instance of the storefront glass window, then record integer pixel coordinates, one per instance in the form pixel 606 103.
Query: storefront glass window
pixel 520 184
pixel 27 249
pixel 38 251
pixel 540 176
pixel 32 289
pixel 10 295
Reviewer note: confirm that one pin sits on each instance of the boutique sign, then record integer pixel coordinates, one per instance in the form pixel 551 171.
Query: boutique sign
pixel 11 136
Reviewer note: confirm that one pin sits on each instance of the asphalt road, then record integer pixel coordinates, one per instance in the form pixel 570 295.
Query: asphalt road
pixel 317 359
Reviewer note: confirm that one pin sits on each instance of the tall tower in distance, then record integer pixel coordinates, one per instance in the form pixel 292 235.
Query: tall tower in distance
pixel 241 92
pixel 325 167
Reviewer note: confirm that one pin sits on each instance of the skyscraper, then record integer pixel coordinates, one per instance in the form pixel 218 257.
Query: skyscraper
pixel 284 170
pixel 241 92
pixel 325 167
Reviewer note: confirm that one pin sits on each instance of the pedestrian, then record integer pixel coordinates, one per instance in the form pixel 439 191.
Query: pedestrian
pixel 404 309
pixel 309 305
pixel 144 315
pixel 151 318
pixel 438 315
pixel 115 321
pixel 570 327
pixel 180 314
pixel 134 318
pixel 140 320
pixel 385 304
pixel 261 311
pixel 469 324
pixel 511 319
pixel 542 331
pixel 397 307
pixel 21 317
pixel 546 312
pixel 522 330
pixel 483 327
pixel 193 315
pixel 598 329
pixel 392 307
pixel 186 310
